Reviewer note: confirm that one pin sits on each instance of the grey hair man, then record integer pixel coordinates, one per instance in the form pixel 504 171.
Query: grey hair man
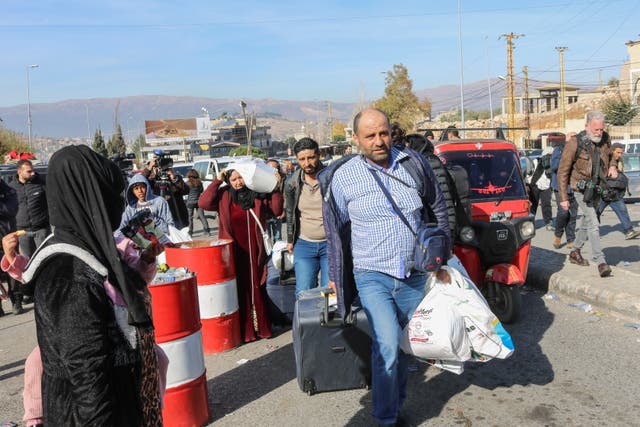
pixel 585 165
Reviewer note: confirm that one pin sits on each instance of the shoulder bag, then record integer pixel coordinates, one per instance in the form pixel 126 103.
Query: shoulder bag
pixel 430 250
pixel 266 239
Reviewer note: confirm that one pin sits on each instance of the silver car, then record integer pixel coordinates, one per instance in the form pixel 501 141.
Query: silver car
pixel 632 170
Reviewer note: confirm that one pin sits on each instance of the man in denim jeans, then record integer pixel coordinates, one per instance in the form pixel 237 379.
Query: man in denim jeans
pixel 370 245
pixel 303 207
pixel 617 203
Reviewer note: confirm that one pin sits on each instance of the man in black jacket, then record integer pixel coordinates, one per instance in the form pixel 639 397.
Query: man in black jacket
pixel 33 214
pixel 8 211
pixel 306 238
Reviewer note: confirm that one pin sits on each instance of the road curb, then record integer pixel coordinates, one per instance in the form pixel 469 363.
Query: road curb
pixel 626 304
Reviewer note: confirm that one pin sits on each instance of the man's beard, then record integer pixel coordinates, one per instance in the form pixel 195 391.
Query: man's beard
pixel 314 169
pixel 593 138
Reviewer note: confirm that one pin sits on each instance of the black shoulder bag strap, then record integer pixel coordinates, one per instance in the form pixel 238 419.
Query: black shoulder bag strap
pixel 393 203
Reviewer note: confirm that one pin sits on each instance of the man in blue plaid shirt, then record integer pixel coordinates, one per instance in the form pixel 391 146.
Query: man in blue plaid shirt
pixel 365 228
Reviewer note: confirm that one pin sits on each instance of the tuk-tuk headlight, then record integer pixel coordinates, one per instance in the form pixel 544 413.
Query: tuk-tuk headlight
pixel 467 234
pixel 527 229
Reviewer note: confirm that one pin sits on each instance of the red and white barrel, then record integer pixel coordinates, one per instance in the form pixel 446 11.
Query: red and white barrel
pixel 213 262
pixel 176 319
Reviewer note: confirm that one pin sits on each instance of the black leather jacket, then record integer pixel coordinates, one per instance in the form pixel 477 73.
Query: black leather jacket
pixel 292 190
pixel 32 204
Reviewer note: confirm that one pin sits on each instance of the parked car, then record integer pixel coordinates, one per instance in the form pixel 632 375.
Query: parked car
pixel 209 169
pixel 553 138
pixel 631 146
pixel 632 170
pixel 9 172
pixel 182 168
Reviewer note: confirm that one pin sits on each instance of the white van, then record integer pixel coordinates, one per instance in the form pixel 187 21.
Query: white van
pixel 631 146
pixel 209 169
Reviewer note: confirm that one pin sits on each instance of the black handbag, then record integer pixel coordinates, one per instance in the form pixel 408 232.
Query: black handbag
pixel 430 251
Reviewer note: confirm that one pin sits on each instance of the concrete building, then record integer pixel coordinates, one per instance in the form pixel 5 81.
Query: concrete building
pixel 630 73
pixel 545 99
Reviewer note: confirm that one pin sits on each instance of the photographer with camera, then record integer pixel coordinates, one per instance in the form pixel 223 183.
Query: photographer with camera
pixel 168 185
pixel 614 196
pixel 585 165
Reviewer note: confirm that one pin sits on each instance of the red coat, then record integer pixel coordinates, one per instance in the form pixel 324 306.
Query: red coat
pixel 250 257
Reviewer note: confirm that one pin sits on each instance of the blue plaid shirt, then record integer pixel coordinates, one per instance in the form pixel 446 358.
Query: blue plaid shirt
pixel 380 241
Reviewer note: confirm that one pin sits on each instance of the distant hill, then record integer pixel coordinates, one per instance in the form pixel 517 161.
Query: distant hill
pixel 81 117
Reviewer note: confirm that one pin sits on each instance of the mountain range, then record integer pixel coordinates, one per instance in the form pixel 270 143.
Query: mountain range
pixel 81 117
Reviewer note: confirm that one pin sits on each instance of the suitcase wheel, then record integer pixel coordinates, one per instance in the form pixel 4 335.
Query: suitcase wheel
pixel 309 386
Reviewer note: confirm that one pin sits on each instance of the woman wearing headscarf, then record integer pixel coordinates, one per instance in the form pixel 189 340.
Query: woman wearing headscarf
pixel 92 311
pixel 230 197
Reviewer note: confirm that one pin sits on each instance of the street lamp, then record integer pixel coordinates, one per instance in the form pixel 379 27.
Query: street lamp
pixel 246 126
pixel 29 103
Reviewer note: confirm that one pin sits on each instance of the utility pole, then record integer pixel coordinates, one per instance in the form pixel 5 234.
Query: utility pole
pixel 462 125
pixel 330 121
pixel 563 108
pixel 511 86
pixel 486 46
pixel 527 110
pixel 600 79
pixel 86 106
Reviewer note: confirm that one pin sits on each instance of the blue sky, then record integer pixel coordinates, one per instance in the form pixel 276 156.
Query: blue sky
pixel 321 50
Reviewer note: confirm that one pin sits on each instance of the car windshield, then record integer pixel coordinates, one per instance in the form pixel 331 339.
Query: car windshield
pixel 631 163
pixel 491 173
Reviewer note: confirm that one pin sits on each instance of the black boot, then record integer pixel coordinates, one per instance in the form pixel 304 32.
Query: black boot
pixel 17 307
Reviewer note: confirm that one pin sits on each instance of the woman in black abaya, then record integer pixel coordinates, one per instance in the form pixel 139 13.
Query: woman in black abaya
pixel 92 312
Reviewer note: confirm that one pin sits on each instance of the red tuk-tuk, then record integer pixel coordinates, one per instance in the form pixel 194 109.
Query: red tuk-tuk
pixel 495 246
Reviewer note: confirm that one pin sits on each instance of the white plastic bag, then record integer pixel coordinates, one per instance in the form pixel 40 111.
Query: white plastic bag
pixel 279 248
pixel 257 175
pixel 436 330
pixel 486 334
pixel 178 236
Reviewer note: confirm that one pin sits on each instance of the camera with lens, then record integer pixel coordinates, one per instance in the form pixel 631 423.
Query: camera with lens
pixel 124 162
pixel 589 190
pixel 162 165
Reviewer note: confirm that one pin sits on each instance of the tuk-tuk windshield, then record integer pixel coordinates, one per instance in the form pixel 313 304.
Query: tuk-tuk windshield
pixel 493 174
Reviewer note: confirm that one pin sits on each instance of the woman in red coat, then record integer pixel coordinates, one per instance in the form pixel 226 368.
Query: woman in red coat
pixel 229 196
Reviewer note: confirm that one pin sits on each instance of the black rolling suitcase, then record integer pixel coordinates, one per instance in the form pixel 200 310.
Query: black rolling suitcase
pixel 330 354
pixel 281 293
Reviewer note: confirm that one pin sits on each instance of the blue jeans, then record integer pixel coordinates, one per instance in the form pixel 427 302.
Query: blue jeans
pixel 621 211
pixel 389 303
pixel 309 258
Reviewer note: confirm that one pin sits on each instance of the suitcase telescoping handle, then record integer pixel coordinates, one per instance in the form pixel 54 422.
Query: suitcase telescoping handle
pixel 334 321
pixel 282 254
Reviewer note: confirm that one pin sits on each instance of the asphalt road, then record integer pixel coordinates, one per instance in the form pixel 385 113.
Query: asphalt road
pixel 570 368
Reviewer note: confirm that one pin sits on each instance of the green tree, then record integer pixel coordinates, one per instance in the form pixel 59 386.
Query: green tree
pixel 619 110
pixel 138 144
pixel 242 151
pixel 290 141
pixel 11 140
pixel 337 131
pixel 399 101
pixel 613 82
pixel 98 143
pixel 116 143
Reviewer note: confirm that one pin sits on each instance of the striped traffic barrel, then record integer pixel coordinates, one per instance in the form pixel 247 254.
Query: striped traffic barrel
pixel 176 320
pixel 213 262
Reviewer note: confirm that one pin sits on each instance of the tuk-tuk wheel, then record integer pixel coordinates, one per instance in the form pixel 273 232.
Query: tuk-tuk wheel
pixel 507 302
